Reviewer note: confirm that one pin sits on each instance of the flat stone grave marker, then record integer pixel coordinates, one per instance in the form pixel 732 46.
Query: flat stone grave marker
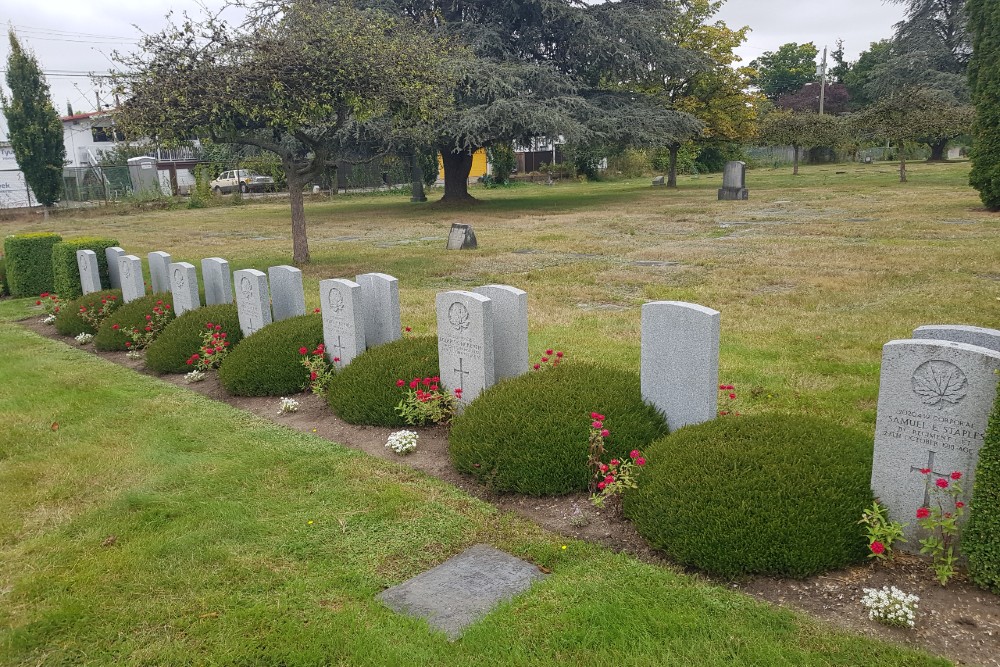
pixel 112 254
pixel 934 401
pixel 343 321
pixel 465 343
pixel 461 237
pixel 130 272
pixel 287 297
pixel 734 181
pixel 253 301
pixel 463 589
pixel 679 365
pixel 960 333
pixel 184 287
pixel 90 277
pixel 380 303
pixel 218 283
pixel 510 329
pixel 159 271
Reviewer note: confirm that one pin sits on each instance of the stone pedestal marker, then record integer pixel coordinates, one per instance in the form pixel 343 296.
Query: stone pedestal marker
pixel 960 333
pixel 465 343
pixel 130 273
pixel 253 301
pixel 934 401
pixel 659 182
pixel 734 181
pixel 461 237
pixel 380 302
pixel 680 361
pixel 510 329
pixel 184 287
pixel 112 254
pixel 159 271
pixel 343 324
pixel 90 277
pixel 218 283
pixel 287 297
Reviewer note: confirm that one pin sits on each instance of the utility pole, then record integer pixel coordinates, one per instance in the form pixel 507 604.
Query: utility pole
pixel 822 83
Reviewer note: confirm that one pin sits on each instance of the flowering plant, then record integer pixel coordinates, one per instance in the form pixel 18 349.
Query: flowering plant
pixel 612 478
pixel 890 606
pixel 550 358
pixel 402 442
pixel 84 338
pixel 94 315
pixel 288 405
pixel 194 376
pixel 940 520
pixel 881 531
pixel 426 402
pixel 214 348
pixel 156 321
pixel 133 355
pixel 49 302
pixel 320 371
pixel 728 394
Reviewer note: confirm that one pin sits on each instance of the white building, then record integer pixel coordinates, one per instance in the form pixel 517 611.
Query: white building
pixel 14 191
pixel 88 135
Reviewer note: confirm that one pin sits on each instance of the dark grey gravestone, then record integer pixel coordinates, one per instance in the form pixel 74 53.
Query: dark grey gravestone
pixel 659 182
pixel 734 182
pixel 960 333
pixel 463 589
pixel 461 237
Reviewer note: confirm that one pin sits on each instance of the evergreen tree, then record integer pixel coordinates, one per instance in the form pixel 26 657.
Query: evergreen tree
pixel 36 133
pixel 984 79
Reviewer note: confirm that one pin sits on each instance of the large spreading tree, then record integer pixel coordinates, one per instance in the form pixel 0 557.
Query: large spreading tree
pixel 36 133
pixel 786 70
pixel 984 79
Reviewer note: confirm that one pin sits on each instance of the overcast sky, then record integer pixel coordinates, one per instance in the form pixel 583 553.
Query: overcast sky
pixel 74 37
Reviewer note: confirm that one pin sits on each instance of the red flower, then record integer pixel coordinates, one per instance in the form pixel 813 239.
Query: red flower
pixel 312 376
pixel 427 382
pixel 640 461
pixel 732 395
pixel 149 328
pixel 407 329
pixel 545 359
pixel 614 462
pixel 218 327
pixel 604 467
pixel 959 505
pixel 303 350
pixel 537 366
pixel 600 486
pixel 38 303
pixel 209 325
pixel 414 383
pixel 43 294
pixel 601 417
pixel 434 387
pixel 956 475
pixel 400 383
pixel 609 479
pixel 128 344
pixel 925 471
pixel 195 356
pixel 722 387
pixel 877 547
pixel 167 306
pixel 634 454
pixel 923 513
pixel 149 317
pixel 548 352
pixel 159 303
pixel 559 355
pixel 190 362
pixel 316 310
pixel 458 392
pixel 941 483
pixel 596 424
pixel 436 378
pixel 593 415
pixel 115 327
pixel 605 433
pixel 723 412
pixel 336 359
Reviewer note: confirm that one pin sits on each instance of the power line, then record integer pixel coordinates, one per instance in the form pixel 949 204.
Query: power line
pixel 69 33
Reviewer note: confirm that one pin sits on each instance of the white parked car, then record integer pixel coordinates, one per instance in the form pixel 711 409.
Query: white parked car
pixel 243 180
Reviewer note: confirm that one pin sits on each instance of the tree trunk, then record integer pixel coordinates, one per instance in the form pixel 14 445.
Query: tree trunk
pixel 456 175
pixel 300 244
pixel 902 163
pixel 795 160
pixel 672 172
pixel 417 178
pixel 937 150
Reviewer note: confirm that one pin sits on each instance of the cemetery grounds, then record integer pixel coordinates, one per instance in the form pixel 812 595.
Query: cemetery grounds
pixel 141 523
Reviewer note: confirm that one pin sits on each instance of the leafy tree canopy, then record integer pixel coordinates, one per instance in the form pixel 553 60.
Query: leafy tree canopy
pixel 984 79
pixel 785 70
pixel 801 130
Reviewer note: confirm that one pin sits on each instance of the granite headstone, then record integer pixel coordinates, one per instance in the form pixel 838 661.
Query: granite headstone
pixel 112 254
pixel 510 329
pixel 90 277
pixel 462 237
pixel 380 303
pixel 130 273
pixel 734 181
pixel 343 321
pixel 218 282
pixel 159 271
pixel 961 333
pixel 184 287
pixel 287 297
pixel 253 301
pixel 465 343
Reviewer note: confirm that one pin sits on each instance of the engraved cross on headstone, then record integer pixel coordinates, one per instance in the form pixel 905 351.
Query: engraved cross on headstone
pixel 933 473
pixel 461 374
pixel 339 347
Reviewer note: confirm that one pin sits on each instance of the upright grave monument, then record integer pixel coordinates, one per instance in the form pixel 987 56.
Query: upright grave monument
pixel 960 333
pixel 130 272
pixel 510 329
pixel 465 343
pixel 343 321
pixel 112 254
pixel 253 301
pixel 734 182
pixel 159 271
pixel 184 287
pixel 218 283
pixel 287 297
pixel 380 302
pixel 90 278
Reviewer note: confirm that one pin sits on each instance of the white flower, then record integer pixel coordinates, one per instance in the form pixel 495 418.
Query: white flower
pixel 194 376
pixel 134 354
pixel 402 442
pixel 288 405
pixel 49 319
pixel 890 606
pixel 84 338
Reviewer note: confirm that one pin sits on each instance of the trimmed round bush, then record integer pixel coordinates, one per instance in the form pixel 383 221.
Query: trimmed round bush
pixel 182 337
pixel 268 363
pixel 68 320
pixel 4 288
pixel 981 541
pixel 767 494
pixel 530 434
pixel 29 263
pixel 66 270
pixel 129 316
pixel 365 391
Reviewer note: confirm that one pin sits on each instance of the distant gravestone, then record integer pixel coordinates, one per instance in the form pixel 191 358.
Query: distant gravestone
pixel 159 271
pixel 287 297
pixel 510 329
pixel 461 237
pixel 380 303
pixel 184 287
pixel 463 589
pixel 112 254
pixel 680 361
pixel 659 182
pixel 90 278
pixel 130 272
pixel 934 402
pixel 343 321
pixel 218 283
pixel 734 182
pixel 960 333
pixel 253 301
pixel 465 342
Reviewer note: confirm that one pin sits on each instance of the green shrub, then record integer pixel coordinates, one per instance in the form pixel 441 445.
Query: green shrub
pixel 365 391
pixel 29 263
pixel 182 337
pixel 529 434
pixel 66 270
pixel 268 363
pixel 68 320
pixel 129 316
pixel 4 288
pixel 768 494
pixel 982 534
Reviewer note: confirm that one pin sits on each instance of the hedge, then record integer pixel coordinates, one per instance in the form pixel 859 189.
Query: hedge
pixel 268 363
pixel 129 316
pixel 4 287
pixel 68 320
pixel 182 337
pixel 29 263
pixel 66 270
pixel 981 542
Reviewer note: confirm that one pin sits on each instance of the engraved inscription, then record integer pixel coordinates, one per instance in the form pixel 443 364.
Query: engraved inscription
pixel 335 299
pixel 179 278
pixel 931 430
pixel 126 270
pixel 939 383
pixel 458 316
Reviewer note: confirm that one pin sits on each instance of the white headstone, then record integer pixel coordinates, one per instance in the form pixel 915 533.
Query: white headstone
pixel 465 342
pixel 934 401
pixel 184 287
pixel 343 324
pixel 287 297
pixel 680 361
pixel 510 329
pixel 159 271
pixel 253 301
pixel 90 277
pixel 960 333
pixel 380 302
pixel 112 254
pixel 130 273
pixel 218 283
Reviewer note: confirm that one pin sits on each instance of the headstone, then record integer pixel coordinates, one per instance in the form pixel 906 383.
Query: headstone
pixel 184 287
pixel 343 321
pixel 380 303
pixel 90 277
pixel 130 273
pixel 934 401
pixel 463 589
pixel 253 301
pixel 659 182
pixel 461 237
pixel 680 361
pixel 159 271
pixel 287 297
pixel 510 329
pixel 218 283
pixel 960 333
pixel 465 342
pixel 734 181
pixel 112 255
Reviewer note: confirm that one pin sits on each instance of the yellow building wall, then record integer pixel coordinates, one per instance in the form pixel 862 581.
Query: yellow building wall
pixel 478 165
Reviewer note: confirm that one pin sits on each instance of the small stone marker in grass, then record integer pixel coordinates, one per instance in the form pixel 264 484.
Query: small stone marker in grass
pixel 253 301
pixel 461 237
pixel 287 298
pixel 184 287
pixel 130 272
pixel 465 343
pixel 159 271
pixel 218 283
pixel 463 589
pixel 343 321
pixel 112 254
pixel 380 302
pixel 960 333
pixel 659 182
pixel 90 278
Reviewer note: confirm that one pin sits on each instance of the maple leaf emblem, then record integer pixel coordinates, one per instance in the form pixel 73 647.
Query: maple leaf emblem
pixel 937 382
